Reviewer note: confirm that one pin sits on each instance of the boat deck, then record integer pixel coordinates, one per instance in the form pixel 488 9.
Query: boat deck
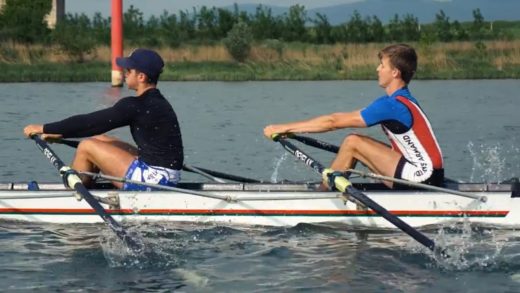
pixel 513 186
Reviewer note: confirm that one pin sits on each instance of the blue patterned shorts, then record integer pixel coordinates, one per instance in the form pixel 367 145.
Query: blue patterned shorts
pixel 140 171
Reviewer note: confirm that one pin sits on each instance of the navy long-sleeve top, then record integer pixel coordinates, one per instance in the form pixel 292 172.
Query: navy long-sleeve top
pixel 153 124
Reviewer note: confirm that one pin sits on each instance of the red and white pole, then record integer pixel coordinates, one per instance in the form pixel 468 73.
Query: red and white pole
pixel 117 41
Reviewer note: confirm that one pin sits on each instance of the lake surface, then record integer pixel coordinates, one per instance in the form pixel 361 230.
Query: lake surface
pixel 477 125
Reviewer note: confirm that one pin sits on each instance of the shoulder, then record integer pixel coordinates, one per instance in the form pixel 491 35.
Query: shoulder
pixel 404 93
pixel 126 103
pixel 382 102
pixel 153 92
pixel 129 99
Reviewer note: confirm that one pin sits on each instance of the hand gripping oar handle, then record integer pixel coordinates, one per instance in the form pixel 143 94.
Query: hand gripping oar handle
pixel 71 179
pixel 343 185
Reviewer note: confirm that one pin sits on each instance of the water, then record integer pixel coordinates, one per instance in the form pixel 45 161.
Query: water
pixel 477 125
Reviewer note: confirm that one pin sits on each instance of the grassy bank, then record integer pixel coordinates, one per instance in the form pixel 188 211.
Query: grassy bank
pixel 269 61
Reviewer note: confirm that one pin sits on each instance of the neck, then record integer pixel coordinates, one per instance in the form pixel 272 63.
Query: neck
pixel 143 88
pixel 394 86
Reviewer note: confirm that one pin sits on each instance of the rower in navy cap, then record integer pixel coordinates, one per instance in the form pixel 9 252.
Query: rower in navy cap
pixel 157 156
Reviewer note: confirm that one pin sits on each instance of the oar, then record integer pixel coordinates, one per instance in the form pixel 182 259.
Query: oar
pixel 196 170
pixel 315 143
pixel 223 175
pixel 71 179
pixel 345 186
pixel 69 142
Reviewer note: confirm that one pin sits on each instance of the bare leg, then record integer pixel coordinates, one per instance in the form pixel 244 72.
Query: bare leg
pixel 377 156
pixel 106 154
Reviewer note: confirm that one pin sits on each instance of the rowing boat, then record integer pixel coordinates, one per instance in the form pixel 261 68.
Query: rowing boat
pixel 252 203
pixel 264 204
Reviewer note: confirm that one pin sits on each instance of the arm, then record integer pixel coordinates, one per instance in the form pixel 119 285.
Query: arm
pixel 319 124
pixel 87 124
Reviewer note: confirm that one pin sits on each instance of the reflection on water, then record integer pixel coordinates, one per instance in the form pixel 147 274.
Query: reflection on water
pixel 209 258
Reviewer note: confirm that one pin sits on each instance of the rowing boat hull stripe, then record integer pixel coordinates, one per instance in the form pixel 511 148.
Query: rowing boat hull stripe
pixel 230 212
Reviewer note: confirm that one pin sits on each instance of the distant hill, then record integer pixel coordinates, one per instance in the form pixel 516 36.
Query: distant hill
pixel 424 10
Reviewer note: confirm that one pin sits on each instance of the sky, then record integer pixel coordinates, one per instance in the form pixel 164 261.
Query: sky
pixel 156 7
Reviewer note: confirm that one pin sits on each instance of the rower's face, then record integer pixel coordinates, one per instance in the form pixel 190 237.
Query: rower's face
pixel 131 76
pixel 386 72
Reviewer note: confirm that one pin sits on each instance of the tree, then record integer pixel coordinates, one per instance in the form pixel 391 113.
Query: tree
pixel 226 20
pixel 357 29
pixel 169 29
pixel 459 32
pixel 207 23
pixel 410 28
pixel 238 41
pixel 443 27
pixel 323 29
pixel 477 26
pixel 133 24
pixel 394 29
pixel 101 29
pixel 23 20
pixel 377 31
pixel 186 26
pixel 74 36
pixel 264 25
pixel 150 38
pixel 294 26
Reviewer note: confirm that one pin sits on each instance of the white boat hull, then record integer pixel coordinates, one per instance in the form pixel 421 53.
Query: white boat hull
pixel 266 204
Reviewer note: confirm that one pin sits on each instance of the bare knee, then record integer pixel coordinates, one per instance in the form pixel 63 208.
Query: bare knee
pixel 86 145
pixel 351 142
pixel 103 137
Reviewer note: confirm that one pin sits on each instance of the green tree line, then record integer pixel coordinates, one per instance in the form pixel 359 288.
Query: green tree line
pixel 22 21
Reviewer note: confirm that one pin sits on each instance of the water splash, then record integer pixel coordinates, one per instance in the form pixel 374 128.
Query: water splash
pixel 157 251
pixel 277 164
pixel 469 247
pixel 489 162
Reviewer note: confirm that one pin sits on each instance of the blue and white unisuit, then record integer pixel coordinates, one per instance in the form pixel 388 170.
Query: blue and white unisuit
pixel 140 171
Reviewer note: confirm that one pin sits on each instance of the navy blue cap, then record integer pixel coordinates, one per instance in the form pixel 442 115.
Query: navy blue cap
pixel 144 60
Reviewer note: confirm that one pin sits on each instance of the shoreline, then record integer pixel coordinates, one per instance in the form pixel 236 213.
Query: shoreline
pixel 295 61
pixel 232 72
